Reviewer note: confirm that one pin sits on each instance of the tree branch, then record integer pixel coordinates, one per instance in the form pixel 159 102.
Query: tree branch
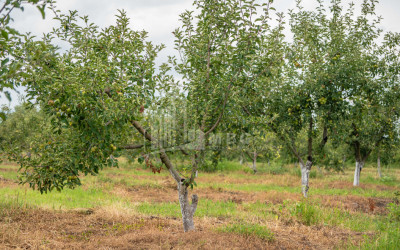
pixel 324 137
pixel 132 146
pixel 5 16
pixel 221 114
pixel 163 156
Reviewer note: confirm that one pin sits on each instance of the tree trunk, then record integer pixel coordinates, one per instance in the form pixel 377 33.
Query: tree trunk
pixel 379 166
pixel 241 159
pixel 305 176
pixel 357 172
pixel 187 209
pixel 254 167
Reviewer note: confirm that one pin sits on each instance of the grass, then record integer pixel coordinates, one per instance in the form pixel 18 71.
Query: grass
pixel 388 236
pixel 67 199
pixel 387 239
pixel 9 175
pixel 358 222
pixel 221 194
pixel 205 208
pixel 307 212
pixel 248 230
pixel 229 166
pixel 255 187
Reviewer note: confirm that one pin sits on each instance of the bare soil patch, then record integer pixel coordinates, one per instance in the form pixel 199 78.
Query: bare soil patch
pixel 357 204
pixel 349 185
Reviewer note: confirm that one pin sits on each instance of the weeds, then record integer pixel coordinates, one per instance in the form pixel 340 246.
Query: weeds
pixel 306 212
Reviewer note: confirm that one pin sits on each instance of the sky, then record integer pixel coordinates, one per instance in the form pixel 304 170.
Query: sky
pixel 158 17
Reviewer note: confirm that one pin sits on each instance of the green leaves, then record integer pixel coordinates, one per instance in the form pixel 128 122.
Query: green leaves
pixel 89 94
pixel 4 34
pixel 41 9
pixel 9 42
pixel 238 74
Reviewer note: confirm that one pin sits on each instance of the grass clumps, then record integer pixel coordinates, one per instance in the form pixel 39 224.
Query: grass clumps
pixel 389 229
pixel 394 209
pixel 249 230
pixel 389 238
pixel 306 212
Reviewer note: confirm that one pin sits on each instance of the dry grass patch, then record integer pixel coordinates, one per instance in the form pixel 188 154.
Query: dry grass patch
pixel 102 229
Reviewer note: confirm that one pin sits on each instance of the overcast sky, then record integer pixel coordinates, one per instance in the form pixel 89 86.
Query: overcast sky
pixel 158 17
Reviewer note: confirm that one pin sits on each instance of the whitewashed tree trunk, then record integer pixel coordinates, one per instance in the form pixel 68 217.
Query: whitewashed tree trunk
pixel 379 166
pixel 187 209
pixel 305 176
pixel 254 167
pixel 357 172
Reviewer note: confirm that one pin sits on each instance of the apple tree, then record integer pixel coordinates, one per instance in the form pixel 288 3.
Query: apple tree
pixel 104 88
pixel 316 85
pixel 372 112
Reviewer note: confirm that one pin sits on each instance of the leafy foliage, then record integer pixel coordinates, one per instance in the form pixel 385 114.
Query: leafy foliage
pixel 90 93
pixel 10 40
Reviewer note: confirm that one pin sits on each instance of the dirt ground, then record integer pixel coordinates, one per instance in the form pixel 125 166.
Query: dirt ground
pixel 98 229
